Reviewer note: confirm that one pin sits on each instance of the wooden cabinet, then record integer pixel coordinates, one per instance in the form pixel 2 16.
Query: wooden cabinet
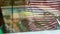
pixel 14 2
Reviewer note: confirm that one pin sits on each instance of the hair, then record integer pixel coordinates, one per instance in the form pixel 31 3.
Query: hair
pixel 1 17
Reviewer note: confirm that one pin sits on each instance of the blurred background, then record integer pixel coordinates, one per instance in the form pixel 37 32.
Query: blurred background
pixel 37 7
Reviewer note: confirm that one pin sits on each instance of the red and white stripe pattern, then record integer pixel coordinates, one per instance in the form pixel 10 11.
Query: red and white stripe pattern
pixel 50 25
pixel 48 6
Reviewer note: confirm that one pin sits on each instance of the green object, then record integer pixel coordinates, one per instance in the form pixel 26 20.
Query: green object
pixel 1 31
pixel 27 13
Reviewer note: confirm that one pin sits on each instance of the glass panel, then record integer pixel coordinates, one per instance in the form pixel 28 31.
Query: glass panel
pixel 31 15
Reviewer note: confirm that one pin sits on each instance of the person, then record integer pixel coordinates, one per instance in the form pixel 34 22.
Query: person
pixel 18 24
pixel 10 23
pixel 13 21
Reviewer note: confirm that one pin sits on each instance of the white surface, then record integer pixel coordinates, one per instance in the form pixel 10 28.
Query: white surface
pixel 40 32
